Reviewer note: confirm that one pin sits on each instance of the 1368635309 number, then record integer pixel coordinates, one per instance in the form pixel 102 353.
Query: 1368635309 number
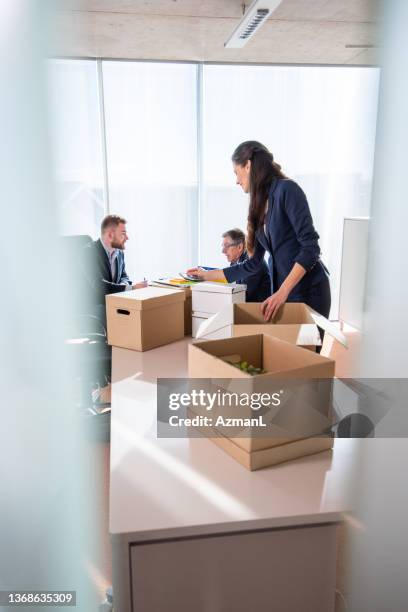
pixel 48 598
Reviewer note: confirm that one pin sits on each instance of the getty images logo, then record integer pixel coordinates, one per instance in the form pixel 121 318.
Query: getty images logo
pixel 225 399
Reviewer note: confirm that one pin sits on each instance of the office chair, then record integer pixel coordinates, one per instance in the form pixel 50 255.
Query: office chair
pixel 85 334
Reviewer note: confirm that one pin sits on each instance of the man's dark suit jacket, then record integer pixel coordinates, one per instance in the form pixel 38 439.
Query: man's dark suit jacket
pixel 258 284
pixel 98 272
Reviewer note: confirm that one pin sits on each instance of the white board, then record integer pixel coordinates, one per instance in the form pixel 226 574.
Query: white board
pixel 353 270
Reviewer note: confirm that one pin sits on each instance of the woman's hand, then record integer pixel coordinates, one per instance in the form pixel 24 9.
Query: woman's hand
pixel 272 304
pixel 199 272
pixel 207 275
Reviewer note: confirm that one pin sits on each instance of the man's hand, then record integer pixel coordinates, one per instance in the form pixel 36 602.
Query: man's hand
pixel 140 284
pixel 272 304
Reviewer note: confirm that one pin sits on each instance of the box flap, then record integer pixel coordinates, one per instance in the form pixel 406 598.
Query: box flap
pixel 216 322
pixel 219 287
pixel 329 327
pixel 308 335
pixel 145 298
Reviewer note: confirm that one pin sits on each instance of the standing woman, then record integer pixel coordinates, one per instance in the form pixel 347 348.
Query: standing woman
pixel 279 222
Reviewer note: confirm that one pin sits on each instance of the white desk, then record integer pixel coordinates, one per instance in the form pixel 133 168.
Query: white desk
pixel 193 530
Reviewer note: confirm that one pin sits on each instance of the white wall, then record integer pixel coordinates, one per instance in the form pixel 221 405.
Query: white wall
pixel 379 553
pixel 46 508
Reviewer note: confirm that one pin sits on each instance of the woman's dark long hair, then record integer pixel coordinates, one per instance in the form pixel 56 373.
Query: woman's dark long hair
pixel 263 171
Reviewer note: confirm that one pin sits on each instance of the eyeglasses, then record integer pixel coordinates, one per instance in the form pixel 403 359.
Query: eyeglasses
pixel 229 245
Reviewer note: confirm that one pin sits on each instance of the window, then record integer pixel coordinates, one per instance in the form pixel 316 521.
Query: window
pixel 77 145
pixel 168 151
pixel 319 124
pixel 151 139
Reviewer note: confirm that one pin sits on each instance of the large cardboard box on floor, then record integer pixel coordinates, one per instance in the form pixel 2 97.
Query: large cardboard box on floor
pixel 143 319
pixel 296 323
pixel 212 297
pixel 307 379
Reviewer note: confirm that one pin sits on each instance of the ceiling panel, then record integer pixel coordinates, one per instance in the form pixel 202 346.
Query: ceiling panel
pixel 192 8
pixel 327 10
pixel 294 10
pixel 321 36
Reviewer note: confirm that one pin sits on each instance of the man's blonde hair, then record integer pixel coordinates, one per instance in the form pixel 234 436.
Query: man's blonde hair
pixel 111 221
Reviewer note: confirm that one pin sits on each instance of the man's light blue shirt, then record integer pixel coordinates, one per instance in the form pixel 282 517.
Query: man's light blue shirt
pixel 112 256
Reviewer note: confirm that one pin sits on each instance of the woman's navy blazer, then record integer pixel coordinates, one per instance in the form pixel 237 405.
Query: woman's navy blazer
pixel 289 237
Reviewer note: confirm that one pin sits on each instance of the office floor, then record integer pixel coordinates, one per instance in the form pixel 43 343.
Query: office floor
pixel 347 366
pixel 101 569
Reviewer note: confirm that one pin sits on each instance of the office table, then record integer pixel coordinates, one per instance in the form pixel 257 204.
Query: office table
pixel 192 530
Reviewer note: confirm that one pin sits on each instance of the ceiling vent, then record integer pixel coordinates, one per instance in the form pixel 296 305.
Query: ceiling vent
pixel 253 18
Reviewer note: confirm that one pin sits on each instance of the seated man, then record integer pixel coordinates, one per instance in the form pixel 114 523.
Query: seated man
pixel 104 264
pixel 105 272
pixel 259 284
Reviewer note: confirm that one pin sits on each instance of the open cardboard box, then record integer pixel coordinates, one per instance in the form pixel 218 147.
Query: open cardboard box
pixel 268 456
pixel 279 358
pixel 307 376
pixel 145 318
pixel 296 323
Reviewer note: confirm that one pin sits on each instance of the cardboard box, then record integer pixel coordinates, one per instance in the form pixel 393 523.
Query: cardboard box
pixel 167 283
pixel 296 323
pixel 310 403
pixel 268 457
pixel 145 318
pixel 212 297
pixel 305 412
pixel 188 313
pixel 279 358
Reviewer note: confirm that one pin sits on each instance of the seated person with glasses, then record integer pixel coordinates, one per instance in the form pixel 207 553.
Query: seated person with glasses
pixel 259 283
